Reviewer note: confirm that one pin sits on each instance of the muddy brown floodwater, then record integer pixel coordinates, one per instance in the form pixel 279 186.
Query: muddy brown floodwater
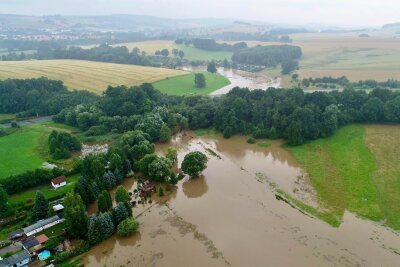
pixel 230 217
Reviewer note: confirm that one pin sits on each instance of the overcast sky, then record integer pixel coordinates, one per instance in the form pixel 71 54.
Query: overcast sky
pixel 332 12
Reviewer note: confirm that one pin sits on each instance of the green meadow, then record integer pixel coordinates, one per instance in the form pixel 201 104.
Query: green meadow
pixel 348 173
pixel 184 85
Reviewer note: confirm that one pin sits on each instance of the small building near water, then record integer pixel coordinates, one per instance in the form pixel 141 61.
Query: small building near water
pixel 146 188
pixel 42 225
pixel 19 259
pixel 59 182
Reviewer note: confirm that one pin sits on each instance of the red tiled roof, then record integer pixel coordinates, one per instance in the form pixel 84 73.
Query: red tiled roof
pixel 59 180
pixel 42 239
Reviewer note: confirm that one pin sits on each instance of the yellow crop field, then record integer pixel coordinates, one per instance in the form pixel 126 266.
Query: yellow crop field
pixel 89 75
pixel 149 47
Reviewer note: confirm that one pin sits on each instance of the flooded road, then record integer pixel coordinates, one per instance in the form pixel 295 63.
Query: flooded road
pixel 243 79
pixel 230 217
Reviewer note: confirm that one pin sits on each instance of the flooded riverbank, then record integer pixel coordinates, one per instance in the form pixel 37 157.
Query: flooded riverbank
pixel 230 217
pixel 243 79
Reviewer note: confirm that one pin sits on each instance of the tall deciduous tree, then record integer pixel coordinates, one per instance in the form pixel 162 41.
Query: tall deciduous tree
pixel 211 67
pixel 165 133
pixel 76 220
pixel 121 195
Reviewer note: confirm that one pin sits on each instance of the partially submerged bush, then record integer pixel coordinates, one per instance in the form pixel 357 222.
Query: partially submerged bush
pixel 251 140
pixel 127 227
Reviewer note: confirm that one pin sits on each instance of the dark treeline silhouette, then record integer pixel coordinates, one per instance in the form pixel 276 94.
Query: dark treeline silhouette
pixel 212 45
pixel 40 97
pixel 268 56
pixel 345 82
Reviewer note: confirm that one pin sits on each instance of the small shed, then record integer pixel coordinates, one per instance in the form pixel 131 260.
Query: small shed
pixel 59 210
pixel 59 182
pixel 42 239
pixel 17 235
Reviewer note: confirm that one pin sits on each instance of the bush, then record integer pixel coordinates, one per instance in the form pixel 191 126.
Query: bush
pixel 161 192
pixel 251 140
pixel 127 227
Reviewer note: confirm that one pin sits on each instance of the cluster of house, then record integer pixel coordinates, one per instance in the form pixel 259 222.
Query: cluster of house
pixel 31 245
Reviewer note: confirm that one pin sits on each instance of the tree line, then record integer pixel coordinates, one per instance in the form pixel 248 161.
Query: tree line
pixel 272 113
pixel 345 82
pixel 269 56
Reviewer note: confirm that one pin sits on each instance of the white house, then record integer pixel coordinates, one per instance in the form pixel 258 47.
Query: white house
pixel 59 182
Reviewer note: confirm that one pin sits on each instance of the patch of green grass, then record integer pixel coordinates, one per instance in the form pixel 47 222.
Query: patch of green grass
pixel 384 142
pixel 59 126
pixel 341 170
pixel 47 190
pixel 206 132
pixel 184 85
pixel 263 144
pixel 26 148
pixel 54 231
pixel 192 53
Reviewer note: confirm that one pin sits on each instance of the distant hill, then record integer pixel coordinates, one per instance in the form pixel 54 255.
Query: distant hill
pixel 395 25
pixel 109 22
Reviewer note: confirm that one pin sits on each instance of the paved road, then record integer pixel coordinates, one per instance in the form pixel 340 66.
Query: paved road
pixel 28 122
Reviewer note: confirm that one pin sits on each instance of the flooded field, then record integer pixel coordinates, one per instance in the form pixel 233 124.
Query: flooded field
pixel 230 217
pixel 243 79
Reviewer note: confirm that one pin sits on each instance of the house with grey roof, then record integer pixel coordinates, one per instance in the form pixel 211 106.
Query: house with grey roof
pixel 19 259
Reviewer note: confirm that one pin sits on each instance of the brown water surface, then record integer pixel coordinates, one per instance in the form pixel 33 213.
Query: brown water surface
pixel 230 217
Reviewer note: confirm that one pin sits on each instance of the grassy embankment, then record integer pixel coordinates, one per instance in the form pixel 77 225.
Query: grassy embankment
pixel 89 75
pixel 26 148
pixel 354 170
pixel 5 118
pixel 184 85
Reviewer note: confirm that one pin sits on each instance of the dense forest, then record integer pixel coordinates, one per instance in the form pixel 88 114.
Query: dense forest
pixel 212 45
pixel 39 97
pixel 267 56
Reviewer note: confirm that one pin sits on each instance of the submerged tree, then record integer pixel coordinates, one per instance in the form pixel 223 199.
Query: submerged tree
pixel 194 163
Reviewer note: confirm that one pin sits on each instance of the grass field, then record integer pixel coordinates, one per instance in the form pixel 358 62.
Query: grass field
pixel 357 170
pixel 26 148
pixel 338 54
pixel 78 74
pixel 184 85
pixel 18 151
